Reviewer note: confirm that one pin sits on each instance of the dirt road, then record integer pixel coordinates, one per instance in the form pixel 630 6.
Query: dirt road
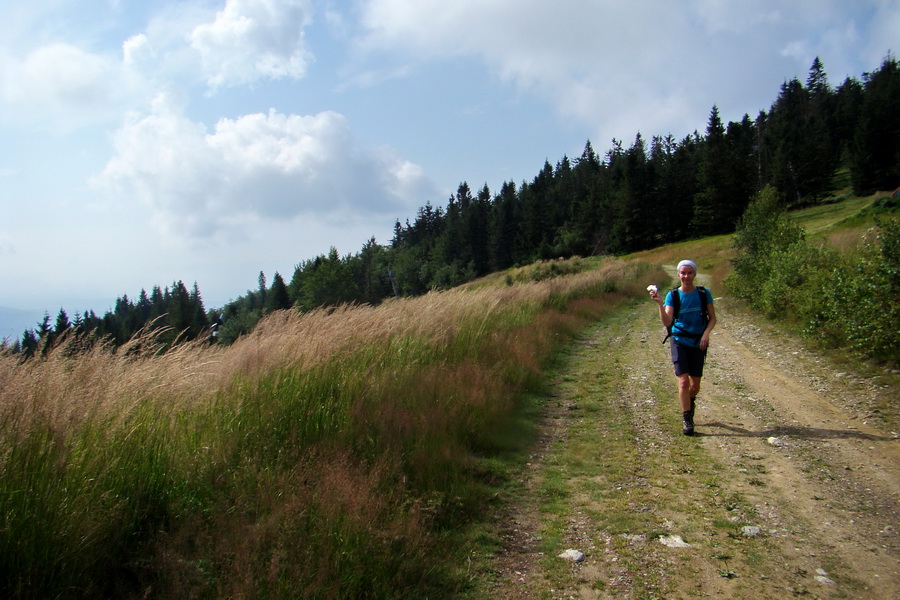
pixel 790 489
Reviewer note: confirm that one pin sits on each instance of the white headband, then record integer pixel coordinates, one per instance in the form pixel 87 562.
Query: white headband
pixel 687 263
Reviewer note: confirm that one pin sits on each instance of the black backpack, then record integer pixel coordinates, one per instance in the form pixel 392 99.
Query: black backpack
pixel 676 305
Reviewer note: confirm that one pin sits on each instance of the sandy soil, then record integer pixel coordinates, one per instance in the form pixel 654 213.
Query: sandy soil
pixel 810 449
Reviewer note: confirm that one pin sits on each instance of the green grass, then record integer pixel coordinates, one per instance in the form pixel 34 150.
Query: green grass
pixel 358 453
pixel 817 220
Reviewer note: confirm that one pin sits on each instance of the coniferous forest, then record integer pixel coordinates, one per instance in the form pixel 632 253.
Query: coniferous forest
pixel 641 195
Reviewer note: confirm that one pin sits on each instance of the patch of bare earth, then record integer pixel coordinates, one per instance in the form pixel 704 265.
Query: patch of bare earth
pixel 791 488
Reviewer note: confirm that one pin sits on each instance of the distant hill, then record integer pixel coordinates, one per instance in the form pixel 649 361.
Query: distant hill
pixel 14 322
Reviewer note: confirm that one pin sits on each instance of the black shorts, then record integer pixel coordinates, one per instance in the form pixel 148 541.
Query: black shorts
pixel 688 359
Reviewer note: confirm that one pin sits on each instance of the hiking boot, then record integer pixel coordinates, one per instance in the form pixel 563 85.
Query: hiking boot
pixel 688 423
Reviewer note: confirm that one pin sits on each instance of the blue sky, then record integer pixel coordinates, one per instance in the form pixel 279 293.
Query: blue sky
pixel 209 140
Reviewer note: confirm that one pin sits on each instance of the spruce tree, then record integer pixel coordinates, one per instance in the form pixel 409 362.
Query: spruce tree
pixel 681 181
pixel 262 289
pixel 876 144
pixel 589 222
pixel 62 323
pixel 801 135
pixel 847 107
pixel 30 343
pixel 143 308
pixel 180 311
pixel 536 232
pixel 199 319
pixel 477 223
pixel 742 181
pixel 157 303
pixel 711 201
pixel 371 273
pixel 502 247
pixel 278 297
pixel 45 333
pixel 822 150
pixel 632 207
pixel 785 138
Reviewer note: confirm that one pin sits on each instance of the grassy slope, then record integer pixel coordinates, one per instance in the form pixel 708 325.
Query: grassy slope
pixel 840 224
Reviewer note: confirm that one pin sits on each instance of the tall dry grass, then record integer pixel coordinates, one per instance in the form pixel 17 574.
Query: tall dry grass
pixel 329 454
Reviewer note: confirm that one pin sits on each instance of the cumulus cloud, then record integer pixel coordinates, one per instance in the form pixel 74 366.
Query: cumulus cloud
pixel 136 50
pixel 253 39
pixel 638 61
pixel 573 57
pixel 68 84
pixel 255 168
pixel 64 86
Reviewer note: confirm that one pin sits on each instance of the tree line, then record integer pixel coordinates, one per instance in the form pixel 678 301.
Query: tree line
pixel 631 198
pixel 172 313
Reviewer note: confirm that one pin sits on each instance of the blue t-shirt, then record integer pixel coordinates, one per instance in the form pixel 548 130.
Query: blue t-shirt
pixel 690 318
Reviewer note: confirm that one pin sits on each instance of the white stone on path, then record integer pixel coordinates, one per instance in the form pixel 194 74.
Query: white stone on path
pixel 573 555
pixel 673 541
pixel 750 531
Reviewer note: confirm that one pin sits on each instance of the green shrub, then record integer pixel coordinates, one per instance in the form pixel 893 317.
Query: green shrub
pixel 863 299
pixel 843 300
pixel 764 231
pixel 796 277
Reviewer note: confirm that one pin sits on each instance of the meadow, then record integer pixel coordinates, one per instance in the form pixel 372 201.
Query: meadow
pixel 341 453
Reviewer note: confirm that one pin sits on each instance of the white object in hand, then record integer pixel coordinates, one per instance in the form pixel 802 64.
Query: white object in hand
pixel 652 288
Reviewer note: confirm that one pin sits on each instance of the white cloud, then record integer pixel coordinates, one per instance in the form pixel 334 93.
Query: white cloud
pixel 256 168
pixel 621 67
pixel 63 86
pixel 69 84
pixel 589 59
pixel 136 49
pixel 881 34
pixel 253 39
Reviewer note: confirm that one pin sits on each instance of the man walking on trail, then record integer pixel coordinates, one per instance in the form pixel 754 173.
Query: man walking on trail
pixel 689 319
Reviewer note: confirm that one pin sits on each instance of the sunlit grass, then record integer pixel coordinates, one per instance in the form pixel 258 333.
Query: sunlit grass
pixel 336 453
pixel 820 219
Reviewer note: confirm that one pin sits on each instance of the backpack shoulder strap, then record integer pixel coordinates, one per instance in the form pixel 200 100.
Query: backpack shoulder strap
pixel 676 307
pixel 703 302
pixel 676 303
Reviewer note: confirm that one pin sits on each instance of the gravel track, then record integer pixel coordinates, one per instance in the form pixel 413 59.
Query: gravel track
pixel 803 452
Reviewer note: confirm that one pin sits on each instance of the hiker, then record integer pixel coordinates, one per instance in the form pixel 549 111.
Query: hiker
pixel 683 316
